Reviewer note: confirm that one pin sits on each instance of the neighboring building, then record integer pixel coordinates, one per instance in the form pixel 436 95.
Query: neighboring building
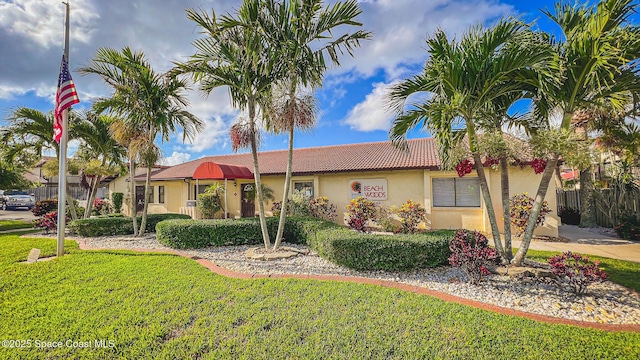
pixel 377 170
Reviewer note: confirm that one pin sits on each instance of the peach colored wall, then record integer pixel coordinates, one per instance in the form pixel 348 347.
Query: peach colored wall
pixel 524 180
pixel 401 185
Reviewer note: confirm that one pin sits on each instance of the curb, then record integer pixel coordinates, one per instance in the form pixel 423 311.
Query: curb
pixel 389 284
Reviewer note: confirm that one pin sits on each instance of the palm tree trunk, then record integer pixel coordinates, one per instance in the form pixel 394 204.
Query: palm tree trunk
pixel 287 188
pixel 147 189
pixel 70 203
pixel 132 203
pixel 256 176
pixel 535 211
pixel 90 198
pixel 587 207
pixel 506 211
pixel 486 196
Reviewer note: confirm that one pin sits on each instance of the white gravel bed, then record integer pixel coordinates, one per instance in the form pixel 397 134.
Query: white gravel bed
pixel 606 302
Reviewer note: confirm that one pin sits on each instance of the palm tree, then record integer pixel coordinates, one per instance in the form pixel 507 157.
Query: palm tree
pixel 135 141
pixel 100 152
pixel 595 64
pixel 465 80
pixel 30 132
pixel 303 34
pixel 234 54
pixel 151 102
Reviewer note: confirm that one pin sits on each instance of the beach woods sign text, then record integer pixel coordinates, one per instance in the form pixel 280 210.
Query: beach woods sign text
pixel 372 189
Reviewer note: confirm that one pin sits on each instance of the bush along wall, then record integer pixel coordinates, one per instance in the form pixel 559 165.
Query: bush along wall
pixel 106 226
pixel 362 251
pixel 193 234
pixel 335 243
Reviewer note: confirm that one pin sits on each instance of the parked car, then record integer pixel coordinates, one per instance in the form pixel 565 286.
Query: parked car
pixel 14 199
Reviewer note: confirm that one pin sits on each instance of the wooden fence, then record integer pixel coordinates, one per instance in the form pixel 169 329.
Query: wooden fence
pixel 51 192
pixel 609 204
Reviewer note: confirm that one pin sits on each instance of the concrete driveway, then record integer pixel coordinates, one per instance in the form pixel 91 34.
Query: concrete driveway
pixel 20 214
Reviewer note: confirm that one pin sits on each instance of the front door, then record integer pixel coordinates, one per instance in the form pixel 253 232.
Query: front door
pixel 247 203
pixel 139 198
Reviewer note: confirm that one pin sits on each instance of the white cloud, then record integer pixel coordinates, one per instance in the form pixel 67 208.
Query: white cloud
pixel 40 20
pixel 215 133
pixel 401 27
pixel 371 114
pixel 176 158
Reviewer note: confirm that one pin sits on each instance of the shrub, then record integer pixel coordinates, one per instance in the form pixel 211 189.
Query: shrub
pixel 521 205
pixel 411 214
pixel 575 272
pixel 106 226
pixel 101 207
pixel 48 222
pixel 569 216
pixel 44 207
pixel 321 208
pixel 360 210
pixel 299 204
pixel 276 208
pixel 362 251
pixel 471 252
pixel 386 220
pixel 117 198
pixel 209 202
pixel 193 234
pixel 629 228
pixel 331 241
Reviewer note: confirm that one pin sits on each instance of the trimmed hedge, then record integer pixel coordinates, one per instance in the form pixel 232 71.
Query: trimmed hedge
pixel 104 226
pixel 362 251
pixel 194 234
pixel 335 243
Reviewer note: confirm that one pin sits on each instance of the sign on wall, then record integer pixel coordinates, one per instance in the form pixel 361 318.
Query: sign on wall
pixel 371 189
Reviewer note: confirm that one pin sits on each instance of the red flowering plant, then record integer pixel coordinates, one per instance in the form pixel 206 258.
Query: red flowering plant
pixel 411 214
pixel 464 167
pixel 471 252
pixel 576 272
pixel 628 228
pixel 359 211
pixel 48 222
pixel 521 205
pixel 538 165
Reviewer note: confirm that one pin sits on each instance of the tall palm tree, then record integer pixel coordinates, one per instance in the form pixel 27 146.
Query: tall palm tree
pixel 464 80
pixel 29 132
pixel 233 53
pixel 151 102
pixel 304 34
pixel 596 59
pixel 100 152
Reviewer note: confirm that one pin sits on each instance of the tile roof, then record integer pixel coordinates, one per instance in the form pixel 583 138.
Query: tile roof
pixel 374 156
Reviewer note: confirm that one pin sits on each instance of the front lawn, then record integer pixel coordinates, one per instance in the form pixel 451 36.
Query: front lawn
pixel 164 306
pixel 15 224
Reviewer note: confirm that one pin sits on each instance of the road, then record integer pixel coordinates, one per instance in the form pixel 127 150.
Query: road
pixel 20 214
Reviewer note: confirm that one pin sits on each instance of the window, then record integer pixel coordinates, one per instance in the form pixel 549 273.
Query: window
pixel 198 189
pixel 456 192
pixel 150 195
pixel 161 194
pixel 305 186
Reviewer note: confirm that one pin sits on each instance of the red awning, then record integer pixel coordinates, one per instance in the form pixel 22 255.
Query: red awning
pixel 213 171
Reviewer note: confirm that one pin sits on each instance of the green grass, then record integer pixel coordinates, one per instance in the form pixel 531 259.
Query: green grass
pixel 166 307
pixel 625 273
pixel 15 224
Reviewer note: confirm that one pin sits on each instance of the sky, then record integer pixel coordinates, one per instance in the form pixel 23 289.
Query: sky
pixel 351 101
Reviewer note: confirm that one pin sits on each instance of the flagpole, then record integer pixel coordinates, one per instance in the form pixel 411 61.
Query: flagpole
pixel 62 171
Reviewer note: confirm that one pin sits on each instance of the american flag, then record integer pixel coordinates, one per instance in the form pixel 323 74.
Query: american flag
pixel 65 97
